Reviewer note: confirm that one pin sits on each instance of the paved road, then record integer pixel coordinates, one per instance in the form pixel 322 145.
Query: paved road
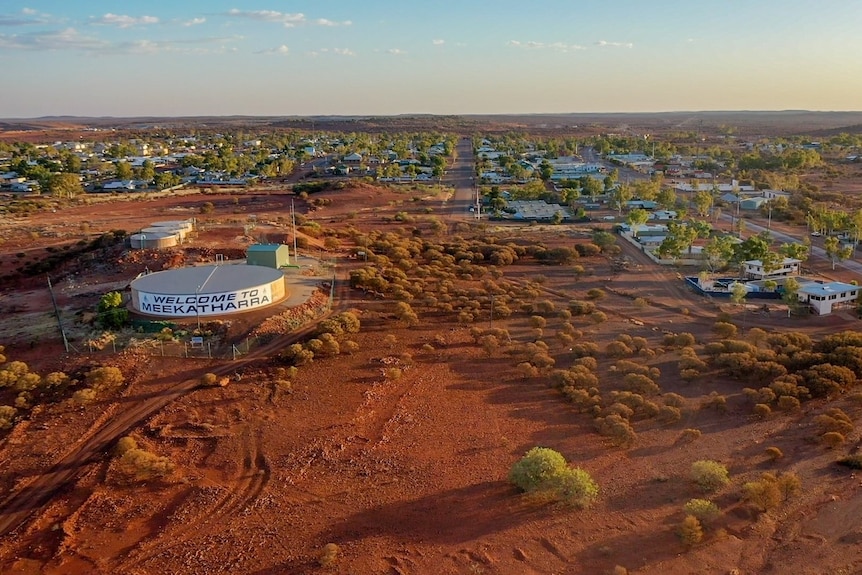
pixel 461 176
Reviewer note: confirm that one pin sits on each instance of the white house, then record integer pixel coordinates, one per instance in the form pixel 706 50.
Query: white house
pixel 753 269
pixel 823 298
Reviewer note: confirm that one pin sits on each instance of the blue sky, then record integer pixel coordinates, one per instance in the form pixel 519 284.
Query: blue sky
pixel 382 57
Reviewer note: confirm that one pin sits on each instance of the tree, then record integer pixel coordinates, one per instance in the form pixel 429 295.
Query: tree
pixel 620 196
pixel 719 251
pixel 636 218
pixel 794 251
pixel 703 202
pixel 123 171
pixel 112 314
pixel 835 251
pixel 65 185
pixel 666 198
pixel 590 187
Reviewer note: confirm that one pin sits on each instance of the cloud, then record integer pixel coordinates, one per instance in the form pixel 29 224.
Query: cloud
pixel 557 46
pixel 396 51
pixel 68 39
pixel 30 17
pixel 606 44
pixel 438 42
pixel 194 22
pixel 285 19
pixel 123 21
pixel 281 50
pixel 325 22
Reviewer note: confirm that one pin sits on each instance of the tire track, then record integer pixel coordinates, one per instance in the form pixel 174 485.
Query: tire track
pixel 32 496
pixel 245 488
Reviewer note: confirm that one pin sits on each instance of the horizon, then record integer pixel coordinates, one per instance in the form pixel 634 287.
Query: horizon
pixel 206 59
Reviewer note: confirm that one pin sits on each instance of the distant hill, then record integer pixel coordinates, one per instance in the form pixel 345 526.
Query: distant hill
pixel 741 123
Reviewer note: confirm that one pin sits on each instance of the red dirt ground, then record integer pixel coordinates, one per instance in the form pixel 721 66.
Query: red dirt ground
pixel 405 475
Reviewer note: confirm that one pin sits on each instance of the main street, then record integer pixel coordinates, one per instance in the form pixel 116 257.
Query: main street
pixel 461 176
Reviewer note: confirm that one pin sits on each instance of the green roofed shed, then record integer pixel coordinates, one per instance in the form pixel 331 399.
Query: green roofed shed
pixel 269 255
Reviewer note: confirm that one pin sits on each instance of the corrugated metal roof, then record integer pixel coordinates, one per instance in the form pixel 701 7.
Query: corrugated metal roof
pixel 265 247
pixel 206 279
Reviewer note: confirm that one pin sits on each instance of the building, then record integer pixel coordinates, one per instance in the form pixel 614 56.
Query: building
pixel 752 203
pixel 753 269
pixel 269 255
pixel 825 297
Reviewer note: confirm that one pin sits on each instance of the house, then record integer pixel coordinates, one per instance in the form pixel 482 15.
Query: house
pixel 825 297
pixel 752 203
pixel 753 269
pixel 663 215
pixel 269 255
pixel 353 159
pixel 641 204
pixel 119 185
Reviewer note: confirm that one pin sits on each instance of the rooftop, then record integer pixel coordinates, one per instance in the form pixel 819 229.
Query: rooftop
pixel 206 279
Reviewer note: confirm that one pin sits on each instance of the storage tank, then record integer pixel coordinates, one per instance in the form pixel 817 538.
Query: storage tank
pixel 179 232
pixel 153 240
pixel 207 291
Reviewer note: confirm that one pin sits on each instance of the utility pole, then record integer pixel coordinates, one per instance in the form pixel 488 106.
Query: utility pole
pixel 57 312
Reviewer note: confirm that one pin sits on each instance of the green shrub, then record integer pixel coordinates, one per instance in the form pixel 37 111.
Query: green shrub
pixel 706 511
pixel 537 468
pixel 709 475
pixel 576 487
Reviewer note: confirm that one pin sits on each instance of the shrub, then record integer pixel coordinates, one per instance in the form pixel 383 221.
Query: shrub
pixel 762 494
pixel 669 414
pixel 673 399
pixel 598 317
pixel 104 379
pixel 125 444
pixel 709 475
pixel 208 379
pixel 715 401
pixel 762 411
pixel 832 439
pixel 617 429
pixel 578 307
pixel 576 487
pixel 392 373
pixel 84 396
pixel 328 555
pixel 595 293
pixel 788 403
pixel 7 416
pixel 851 461
pixel 141 465
pixel 618 349
pixel 537 468
pixel 689 435
pixel 724 330
pixel 690 531
pixel 774 453
pixel 706 511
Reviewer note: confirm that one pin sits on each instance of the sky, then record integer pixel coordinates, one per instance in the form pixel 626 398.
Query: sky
pixel 385 57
